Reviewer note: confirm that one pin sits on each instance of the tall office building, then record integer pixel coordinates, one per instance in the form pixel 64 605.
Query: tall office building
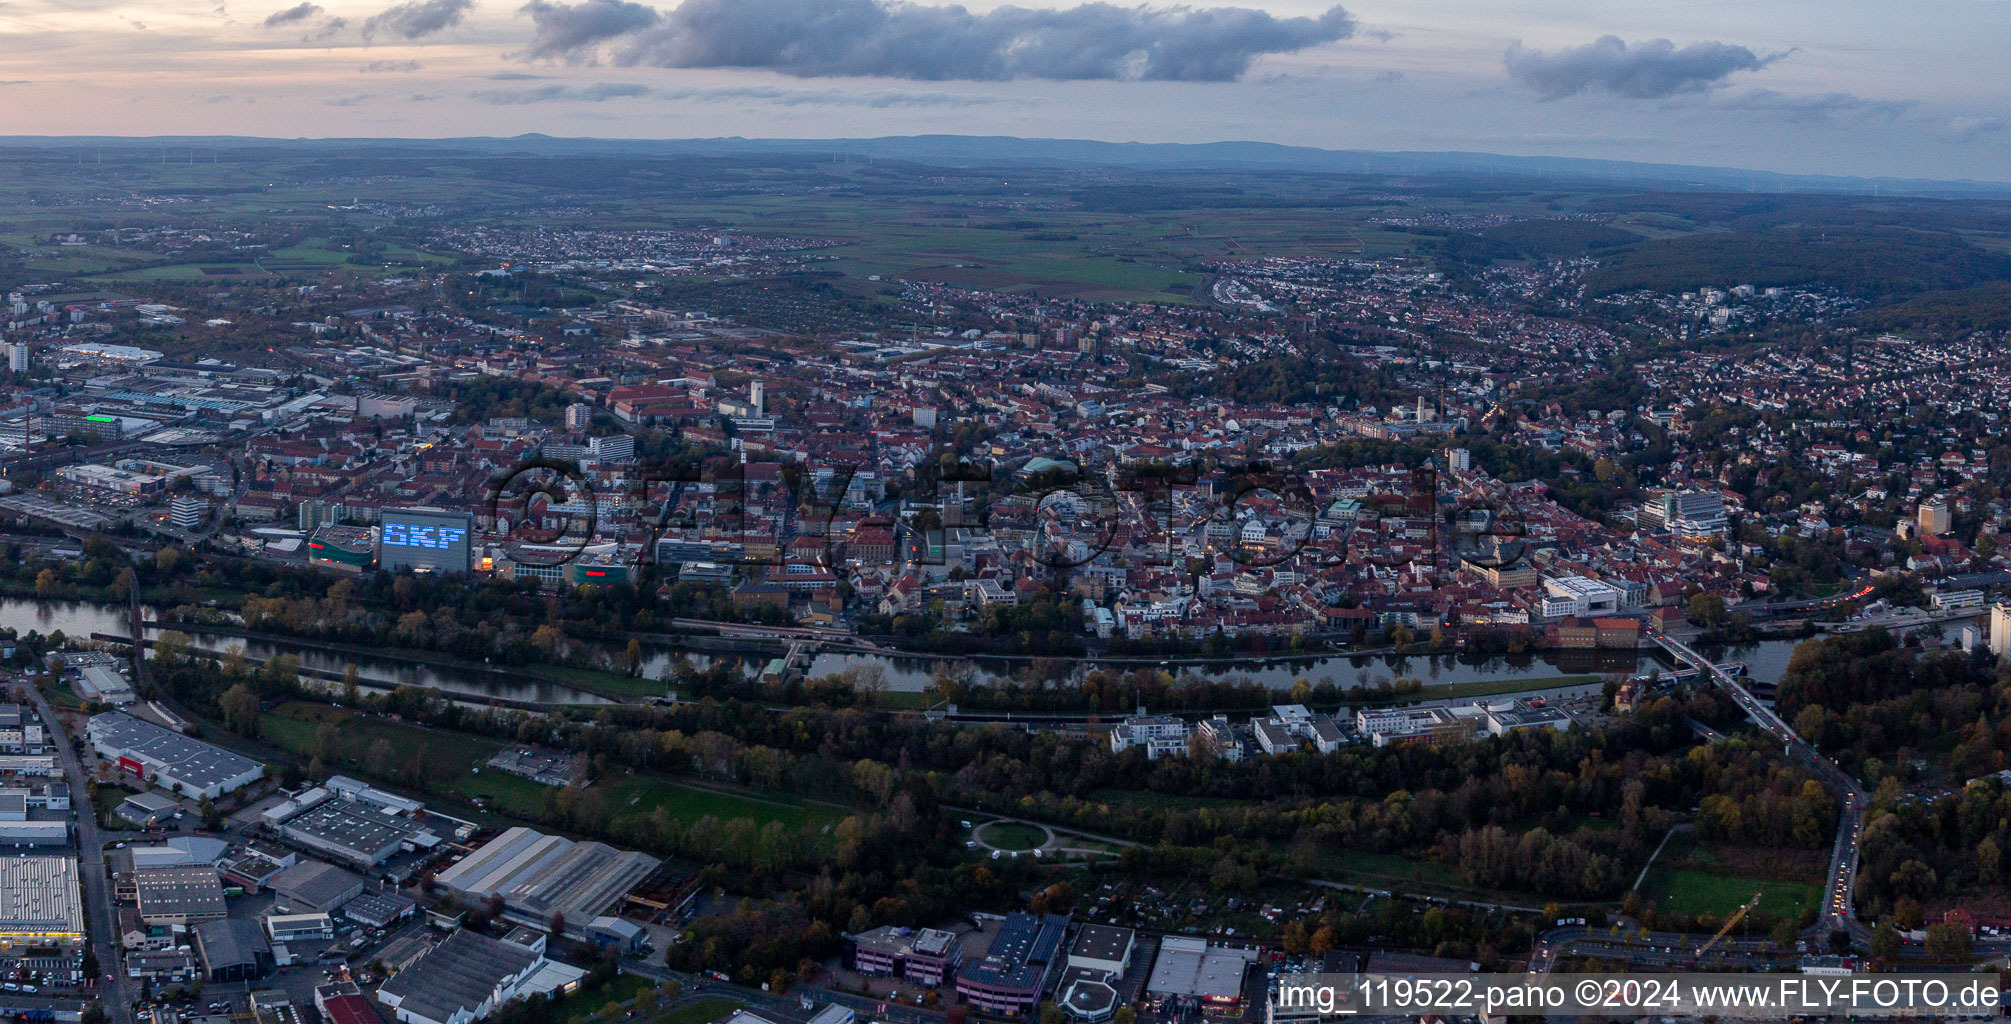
pixel 17 357
pixel 2000 629
pixel 579 415
pixel 187 513
pixel 1697 516
pixel 1934 516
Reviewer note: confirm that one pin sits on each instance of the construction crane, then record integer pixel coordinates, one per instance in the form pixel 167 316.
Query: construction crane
pixel 1736 917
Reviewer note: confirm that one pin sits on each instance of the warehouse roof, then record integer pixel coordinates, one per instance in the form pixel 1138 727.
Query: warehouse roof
pixel 191 761
pixel 539 874
pixel 1101 942
pixel 40 894
pixel 313 882
pixel 230 940
pixel 187 890
pixel 458 974
pixel 377 907
pixel 1191 967
pixel 362 832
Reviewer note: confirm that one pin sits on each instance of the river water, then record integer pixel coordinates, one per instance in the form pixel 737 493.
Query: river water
pixel 1766 659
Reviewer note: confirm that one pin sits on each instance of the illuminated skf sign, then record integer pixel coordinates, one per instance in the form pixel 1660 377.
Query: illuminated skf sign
pixel 413 535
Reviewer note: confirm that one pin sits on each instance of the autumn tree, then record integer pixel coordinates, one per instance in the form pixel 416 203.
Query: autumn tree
pixel 240 710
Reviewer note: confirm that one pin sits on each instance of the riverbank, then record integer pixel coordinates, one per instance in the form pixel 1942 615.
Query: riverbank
pixel 607 685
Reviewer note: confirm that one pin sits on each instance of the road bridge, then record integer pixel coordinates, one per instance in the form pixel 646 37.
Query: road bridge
pixel 1838 911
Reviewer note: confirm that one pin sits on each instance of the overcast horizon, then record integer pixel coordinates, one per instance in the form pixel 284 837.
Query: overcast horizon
pixel 1798 87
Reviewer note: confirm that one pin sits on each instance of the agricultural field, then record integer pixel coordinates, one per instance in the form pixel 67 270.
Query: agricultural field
pixel 1105 236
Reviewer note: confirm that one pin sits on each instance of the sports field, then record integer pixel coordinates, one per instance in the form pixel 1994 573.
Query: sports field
pixel 1701 879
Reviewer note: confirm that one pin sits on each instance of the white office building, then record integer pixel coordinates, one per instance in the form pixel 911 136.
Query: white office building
pixel 1160 735
pixel 1581 596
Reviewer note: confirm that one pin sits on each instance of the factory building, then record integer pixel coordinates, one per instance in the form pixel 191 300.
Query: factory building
pixel 468 976
pixel 539 876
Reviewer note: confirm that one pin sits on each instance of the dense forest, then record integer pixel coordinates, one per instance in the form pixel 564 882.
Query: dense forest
pixel 1875 263
pixel 1986 307
pixel 1877 706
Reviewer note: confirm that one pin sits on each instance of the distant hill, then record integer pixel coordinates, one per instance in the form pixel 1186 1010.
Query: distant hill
pixel 1986 307
pixel 1007 151
pixel 1877 264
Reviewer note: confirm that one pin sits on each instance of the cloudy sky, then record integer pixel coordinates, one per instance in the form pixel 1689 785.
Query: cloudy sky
pixel 1865 87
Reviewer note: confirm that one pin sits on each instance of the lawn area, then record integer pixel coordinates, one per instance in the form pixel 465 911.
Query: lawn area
pixel 1010 835
pixel 293 725
pixel 308 711
pixel 643 794
pixel 586 1003
pixel 502 791
pixel 605 684
pixel 703 1011
pixel 1490 687
pixel 291 733
pixel 907 700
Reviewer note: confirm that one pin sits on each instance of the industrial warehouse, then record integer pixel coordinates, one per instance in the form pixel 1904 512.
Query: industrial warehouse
pixel 540 876
pixel 168 759
pixel 467 976
pixel 348 821
pixel 41 905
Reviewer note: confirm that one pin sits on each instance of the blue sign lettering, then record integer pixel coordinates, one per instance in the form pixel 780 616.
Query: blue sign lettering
pixel 439 538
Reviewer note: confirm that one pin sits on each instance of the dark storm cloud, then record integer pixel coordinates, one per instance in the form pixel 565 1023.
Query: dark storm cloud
pixel 1827 106
pixel 893 39
pixel 573 30
pixel 298 13
pixel 596 93
pixel 417 19
pixel 1651 70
